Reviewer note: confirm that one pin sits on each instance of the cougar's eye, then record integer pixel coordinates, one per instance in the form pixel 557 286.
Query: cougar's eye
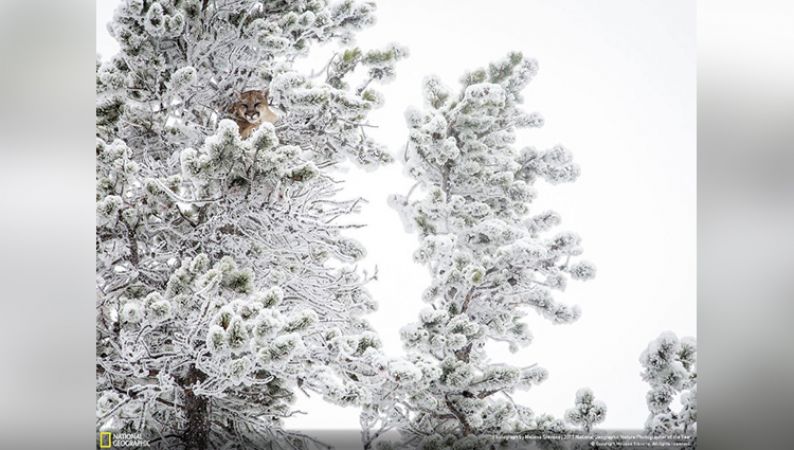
pixel 256 105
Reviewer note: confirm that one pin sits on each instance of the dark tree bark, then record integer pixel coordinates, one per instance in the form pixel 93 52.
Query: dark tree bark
pixel 197 409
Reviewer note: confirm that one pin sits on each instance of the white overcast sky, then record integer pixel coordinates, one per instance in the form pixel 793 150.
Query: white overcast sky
pixel 616 86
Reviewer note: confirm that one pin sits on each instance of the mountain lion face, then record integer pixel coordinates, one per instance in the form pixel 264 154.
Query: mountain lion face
pixel 250 111
pixel 252 107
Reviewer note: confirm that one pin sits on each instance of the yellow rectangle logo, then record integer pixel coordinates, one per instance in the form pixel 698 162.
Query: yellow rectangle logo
pixel 105 439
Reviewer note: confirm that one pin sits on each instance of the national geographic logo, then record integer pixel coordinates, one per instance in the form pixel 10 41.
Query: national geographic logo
pixel 108 439
pixel 105 439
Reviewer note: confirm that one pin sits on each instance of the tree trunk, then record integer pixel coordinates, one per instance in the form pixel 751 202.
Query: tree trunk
pixel 197 409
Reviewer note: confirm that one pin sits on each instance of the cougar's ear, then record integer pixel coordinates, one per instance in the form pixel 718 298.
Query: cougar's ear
pixel 266 92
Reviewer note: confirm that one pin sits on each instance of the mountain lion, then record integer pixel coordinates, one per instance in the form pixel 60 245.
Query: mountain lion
pixel 251 110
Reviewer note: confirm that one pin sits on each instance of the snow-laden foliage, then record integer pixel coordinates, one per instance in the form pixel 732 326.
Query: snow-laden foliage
pixel 493 260
pixel 587 411
pixel 670 367
pixel 182 62
pixel 225 283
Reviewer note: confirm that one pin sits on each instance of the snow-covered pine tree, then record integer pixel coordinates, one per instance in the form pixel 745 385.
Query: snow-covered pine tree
pixel 587 411
pixel 225 283
pixel 492 261
pixel 670 367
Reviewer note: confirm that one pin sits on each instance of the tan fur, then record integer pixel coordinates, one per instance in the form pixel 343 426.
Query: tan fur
pixel 250 111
